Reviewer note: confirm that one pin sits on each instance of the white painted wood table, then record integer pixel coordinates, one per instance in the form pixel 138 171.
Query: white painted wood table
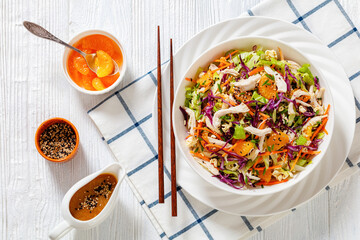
pixel 33 89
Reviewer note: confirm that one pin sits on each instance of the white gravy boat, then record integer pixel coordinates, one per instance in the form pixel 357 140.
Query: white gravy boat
pixel 69 221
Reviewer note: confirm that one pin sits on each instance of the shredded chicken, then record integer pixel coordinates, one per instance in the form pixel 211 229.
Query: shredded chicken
pixel 310 123
pixel 242 108
pixel 212 67
pixel 293 65
pixel 248 84
pixel 279 81
pixel 296 94
pixel 219 142
pixel 209 125
pixel 191 121
pixel 320 93
pixel 270 54
pixel 253 153
pixel 231 71
pixel 208 166
pixel 257 131
pixel 191 141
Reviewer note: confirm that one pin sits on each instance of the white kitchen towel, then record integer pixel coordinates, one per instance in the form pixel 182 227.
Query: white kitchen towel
pixel 126 124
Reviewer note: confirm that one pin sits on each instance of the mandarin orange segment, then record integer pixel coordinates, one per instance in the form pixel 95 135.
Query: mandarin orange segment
pixel 266 177
pixel 104 63
pixel 98 42
pixel 81 65
pixel 267 87
pixel 109 80
pixel 243 147
pixel 98 84
pixel 205 79
pixel 87 84
pixel 277 140
pixel 91 44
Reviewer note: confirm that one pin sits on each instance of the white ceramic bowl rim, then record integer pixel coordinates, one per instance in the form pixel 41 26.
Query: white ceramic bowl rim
pixel 76 38
pixel 204 173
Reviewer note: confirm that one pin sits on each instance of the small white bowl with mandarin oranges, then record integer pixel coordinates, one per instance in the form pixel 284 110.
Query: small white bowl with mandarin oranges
pixel 78 73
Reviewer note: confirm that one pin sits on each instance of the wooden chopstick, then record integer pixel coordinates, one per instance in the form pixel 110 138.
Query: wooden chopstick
pixel 160 127
pixel 172 139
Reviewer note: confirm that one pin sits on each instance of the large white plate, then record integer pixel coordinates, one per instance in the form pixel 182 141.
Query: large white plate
pixel 344 108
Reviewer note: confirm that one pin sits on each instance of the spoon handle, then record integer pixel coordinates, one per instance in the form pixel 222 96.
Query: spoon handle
pixel 43 33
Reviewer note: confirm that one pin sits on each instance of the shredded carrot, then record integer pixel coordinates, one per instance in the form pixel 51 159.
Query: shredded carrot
pixel 281 54
pixel 273 152
pixel 231 54
pixel 327 110
pixel 200 156
pixel 227 81
pixel 297 158
pixel 256 70
pixel 215 145
pixel 231 102
pixel 205 89
pixel 257 162
pixel 188 136
pixel 322 125
pixel 312 152
pixel 220 68
pixel 273 167
pixel 222 61
pixel 271 183
pixel 198 130
pixel 326 132
pixel 206 129
pixel 190 80
pixel 262 126
pixel 286 156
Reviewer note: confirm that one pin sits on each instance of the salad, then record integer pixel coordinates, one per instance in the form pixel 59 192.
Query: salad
pixel 254 118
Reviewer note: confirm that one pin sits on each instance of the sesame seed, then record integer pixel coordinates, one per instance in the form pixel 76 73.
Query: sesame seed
pixel 57 141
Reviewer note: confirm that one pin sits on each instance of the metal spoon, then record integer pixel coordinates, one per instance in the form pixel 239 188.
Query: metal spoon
pixel 43 33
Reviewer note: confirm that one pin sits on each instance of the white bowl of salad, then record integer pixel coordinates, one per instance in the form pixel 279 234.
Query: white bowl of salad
pixel 253 116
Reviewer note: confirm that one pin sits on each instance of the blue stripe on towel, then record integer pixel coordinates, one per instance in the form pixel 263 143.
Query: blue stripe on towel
pixel 141 131
pixel 192 210
pixel 152 76
pixel 142 165
pixel 178 188
pixel 162 235
pixel 259 228
pixel 312 11
pixel 354 76
pixel 248 224
pixel 342 37
pixel 129 129
pixel 194 224
pixel 357 104
pixel 250 12
pixel 296 12
pixel 346 16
